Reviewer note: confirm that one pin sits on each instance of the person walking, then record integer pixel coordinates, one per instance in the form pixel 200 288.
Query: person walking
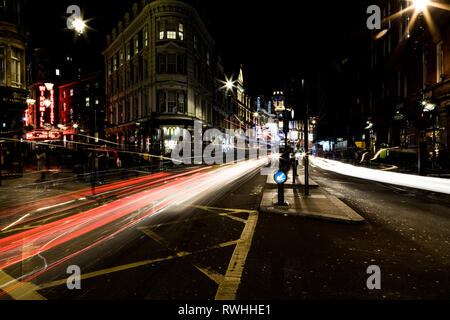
pixel 41 162
pixel 92 167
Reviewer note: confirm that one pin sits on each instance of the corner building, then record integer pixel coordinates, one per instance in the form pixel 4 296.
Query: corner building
pixel 162 75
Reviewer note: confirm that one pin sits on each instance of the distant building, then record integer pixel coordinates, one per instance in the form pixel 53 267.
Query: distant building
pixel 82 108
pixel 245 114
pixel 162 75
pixel 401 99
pixel 13 86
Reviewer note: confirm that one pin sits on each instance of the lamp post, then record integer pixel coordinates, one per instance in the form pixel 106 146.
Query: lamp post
pixel 420 6
pixel 306 142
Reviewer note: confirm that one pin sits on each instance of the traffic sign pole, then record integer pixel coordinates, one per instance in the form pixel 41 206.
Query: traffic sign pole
pixel 280 178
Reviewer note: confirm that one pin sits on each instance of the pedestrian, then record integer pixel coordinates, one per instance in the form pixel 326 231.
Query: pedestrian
pixel 101 166
pixel 92 167
pixel 41 162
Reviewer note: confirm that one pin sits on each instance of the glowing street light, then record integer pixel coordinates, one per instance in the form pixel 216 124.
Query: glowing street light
pixel 421 5
pixel 229 85
pixel 79 26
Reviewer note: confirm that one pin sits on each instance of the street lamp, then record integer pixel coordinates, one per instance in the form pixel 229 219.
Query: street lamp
pixel 229 85
pixel 79 26
pixel 421 5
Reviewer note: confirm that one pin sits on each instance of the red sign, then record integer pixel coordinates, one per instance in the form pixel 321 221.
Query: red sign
pixel 43 135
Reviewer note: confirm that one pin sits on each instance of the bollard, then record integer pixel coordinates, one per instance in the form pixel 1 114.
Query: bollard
pixel 280 178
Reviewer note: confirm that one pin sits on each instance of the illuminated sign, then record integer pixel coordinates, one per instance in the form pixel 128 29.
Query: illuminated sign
pixel 43 135
pixel 44 104
pixel 280 177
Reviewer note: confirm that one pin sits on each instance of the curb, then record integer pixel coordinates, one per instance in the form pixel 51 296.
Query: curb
pixel 317 216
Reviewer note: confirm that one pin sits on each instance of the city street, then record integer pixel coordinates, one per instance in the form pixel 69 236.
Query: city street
pixel 225 152
pixel 184 251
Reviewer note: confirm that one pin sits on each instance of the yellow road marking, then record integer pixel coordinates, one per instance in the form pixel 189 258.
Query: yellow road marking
pixel 213 209
pixel 24 291
pixel 152 235
pixel 228 287
pixel 233 217
pixel 136 265
pixel 213 275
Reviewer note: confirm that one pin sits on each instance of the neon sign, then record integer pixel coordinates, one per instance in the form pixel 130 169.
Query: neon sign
pixel 43 135
pixel 52 107
pixel 42 106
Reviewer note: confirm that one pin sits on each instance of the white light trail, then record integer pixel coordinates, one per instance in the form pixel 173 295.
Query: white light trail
pixel 439 185
pixel 16 222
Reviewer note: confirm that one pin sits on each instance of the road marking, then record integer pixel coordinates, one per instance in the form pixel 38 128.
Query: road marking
pixel 228 287
pixel 210 273
pixel 213 209
pixel 229 216
pixel 24 290
pixel 152 235
pixel 136 265
pixel 16 222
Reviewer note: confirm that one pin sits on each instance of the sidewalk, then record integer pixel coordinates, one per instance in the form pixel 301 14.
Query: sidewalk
pixel 29 186
pixel 318 205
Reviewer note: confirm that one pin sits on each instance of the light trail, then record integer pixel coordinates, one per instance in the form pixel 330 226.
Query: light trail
pixel 439 185
pixel 182 188
pixel 16 222
pixel 36 205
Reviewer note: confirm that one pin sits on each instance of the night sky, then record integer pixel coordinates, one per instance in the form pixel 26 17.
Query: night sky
pixel 272 39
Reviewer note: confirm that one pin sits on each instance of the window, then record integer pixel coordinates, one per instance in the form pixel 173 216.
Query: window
pixel 109 67
pixel 121 58
pixel 57 72
pixel 146 36
pixel 15 67
pixel 128 49
pixel 172 101
pixel 207 58
pixel 2 65
pixel 161 29
pixel 181 31
pixel 88 102
pixel 71 92
pixel 136 44
pixel 171 63
pixel 171 35
pixel 162 63
pixel 181 102
pixel 181 68
pixel 439 62
pixel 161 101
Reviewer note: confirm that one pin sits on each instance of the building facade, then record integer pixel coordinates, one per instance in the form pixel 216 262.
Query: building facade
pixel 400 83
pixel 13 93
pixel 82 109
pixel 162 75
pixel 13 87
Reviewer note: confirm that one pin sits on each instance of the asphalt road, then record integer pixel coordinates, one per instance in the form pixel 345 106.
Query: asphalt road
pixel 406 234
pixel 191 251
